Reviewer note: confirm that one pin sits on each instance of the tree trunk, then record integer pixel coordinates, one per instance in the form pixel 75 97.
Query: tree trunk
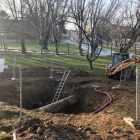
pixel 56 47
pixel 93 49
pixel 107 43
pixel 23 46
pixel 56 51
pixel 59 105
pixel 4 43
pixel 80 43
pixel 45 46
pixel 90 64
pixel 116 42
pixel 80 48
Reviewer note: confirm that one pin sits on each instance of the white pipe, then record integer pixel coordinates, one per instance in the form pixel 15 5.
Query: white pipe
pixel 115 87
pixel 51 69
pixel 14 135
pixel 95 86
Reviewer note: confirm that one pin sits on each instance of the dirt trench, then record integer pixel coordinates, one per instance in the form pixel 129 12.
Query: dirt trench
pixel 76 119
pixel 37 86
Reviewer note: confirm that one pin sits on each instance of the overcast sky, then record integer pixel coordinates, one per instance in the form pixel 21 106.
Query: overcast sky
pixel 70 26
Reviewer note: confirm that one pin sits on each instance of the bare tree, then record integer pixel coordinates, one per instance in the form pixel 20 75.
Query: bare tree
pixel 40 15
pixel 107 38
pixel 59 12
pixel 129 25
pixel 100 15
pixel 3 15
pixel 19 14
pixel 79 14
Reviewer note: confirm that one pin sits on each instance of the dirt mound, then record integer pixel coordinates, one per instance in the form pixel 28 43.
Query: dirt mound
pixel 30 127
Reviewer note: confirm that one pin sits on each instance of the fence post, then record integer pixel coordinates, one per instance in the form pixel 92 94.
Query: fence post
pixel 137 92
pixel 14 76
pixel 51 69
pixel 20 91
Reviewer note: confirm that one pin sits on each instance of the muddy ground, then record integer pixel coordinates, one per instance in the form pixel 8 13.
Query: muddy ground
pixel 77 119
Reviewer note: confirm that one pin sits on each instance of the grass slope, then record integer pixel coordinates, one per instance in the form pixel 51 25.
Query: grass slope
pixel 61 61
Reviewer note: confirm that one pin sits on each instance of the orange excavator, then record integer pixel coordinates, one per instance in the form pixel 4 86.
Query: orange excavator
pixel 122 65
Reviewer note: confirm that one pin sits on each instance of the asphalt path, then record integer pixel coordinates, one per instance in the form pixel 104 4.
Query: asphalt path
pixel 104 52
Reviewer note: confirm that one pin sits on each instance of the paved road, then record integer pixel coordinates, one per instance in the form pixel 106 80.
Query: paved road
pixel 104 52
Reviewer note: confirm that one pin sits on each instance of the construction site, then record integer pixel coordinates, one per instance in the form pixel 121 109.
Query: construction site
pixel 70 70
pixel 80 116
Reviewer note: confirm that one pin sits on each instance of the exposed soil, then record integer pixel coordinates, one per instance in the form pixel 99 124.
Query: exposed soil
pixel 37 86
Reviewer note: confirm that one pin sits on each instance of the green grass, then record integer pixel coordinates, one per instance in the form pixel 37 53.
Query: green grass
pixel 116 49
pixel 63 47
pixel 61 61
pixel 29 46
pixel 6 137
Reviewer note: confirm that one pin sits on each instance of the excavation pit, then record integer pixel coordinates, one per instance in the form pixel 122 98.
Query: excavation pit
pixel 37 86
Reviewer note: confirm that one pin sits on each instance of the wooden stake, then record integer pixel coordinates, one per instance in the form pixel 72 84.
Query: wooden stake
pixel 20 91
pixel 137 78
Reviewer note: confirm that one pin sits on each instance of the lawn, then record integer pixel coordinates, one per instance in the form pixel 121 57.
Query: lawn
pixel 64 61
pixel 32 46
pixel 29 46
pixel 61 61
pixel 116 49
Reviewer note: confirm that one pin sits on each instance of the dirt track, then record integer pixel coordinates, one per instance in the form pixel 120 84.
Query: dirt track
pixel 76 119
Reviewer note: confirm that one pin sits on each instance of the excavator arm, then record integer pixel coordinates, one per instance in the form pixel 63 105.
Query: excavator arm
pixel 136 59
pixel 123 64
